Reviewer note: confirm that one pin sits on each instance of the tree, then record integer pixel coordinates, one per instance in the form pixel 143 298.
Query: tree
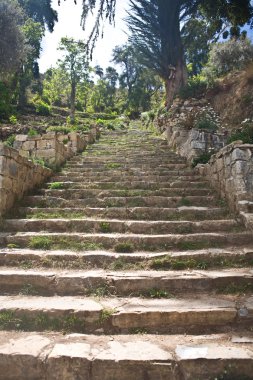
pixel 40 11
pixel 141 84
pixel 156 31
pixel 12 42
pixel 75 65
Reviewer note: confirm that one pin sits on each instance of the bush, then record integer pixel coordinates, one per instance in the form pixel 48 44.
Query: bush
pixel 245 133
pixel 61 129
pixel 195 88
pixel 13 120
pixel 42 108
pixel 10 141
pixel 32 133
pixel 228 56
pixel 207 120
pixel 202 159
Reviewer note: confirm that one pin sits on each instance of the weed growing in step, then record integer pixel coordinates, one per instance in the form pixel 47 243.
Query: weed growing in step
pixel 40 242
pixel 234 288
pixel 100 292
pixel 124 248
pixel 156 293
pixel 184 202
pixel 138 331
pixel 12 246
pixel 28 290
pixel 105 227
pixel 8 320
pixel 55 215
pixel 113 165
pixel 105 315
pixel 55 185
pixel 194 245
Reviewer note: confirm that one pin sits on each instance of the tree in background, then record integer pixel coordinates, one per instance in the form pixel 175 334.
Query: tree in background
pixel 40 11
pixel 75 65
pixel 156 31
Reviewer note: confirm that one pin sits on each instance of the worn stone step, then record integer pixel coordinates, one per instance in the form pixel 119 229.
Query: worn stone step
pixel 135 213
pixel 72 357
pixel 199 314
pixel 154 179
pixel 112 225
pixel 209 258
pixel 117 175
pixel 134 185
pixel 151 201
pixel 90 193
pixel 127 242
pixel 146 284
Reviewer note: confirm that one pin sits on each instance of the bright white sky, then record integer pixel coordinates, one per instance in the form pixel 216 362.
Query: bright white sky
pixel 69 16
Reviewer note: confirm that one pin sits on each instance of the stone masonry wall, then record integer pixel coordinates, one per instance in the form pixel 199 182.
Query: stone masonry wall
pixel 230 171
pixel 17 176
pixel 191 143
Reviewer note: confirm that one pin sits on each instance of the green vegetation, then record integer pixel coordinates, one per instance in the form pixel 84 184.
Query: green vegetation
pixel 10 141
pixel 28 290
pixel 105 315
pixel 32 133
pixel 105 227
pixel 56 185
pixel 40 242
pixel 234 288
pixel 202 159
pixel 12 246
pixel 113 165
pixel 245 133
pixel 55 215
pixel 124 247
pixel 156 293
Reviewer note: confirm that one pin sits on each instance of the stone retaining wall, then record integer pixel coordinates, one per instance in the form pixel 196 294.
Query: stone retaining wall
pixel 192 143
pixel 230 171
pixel 17 176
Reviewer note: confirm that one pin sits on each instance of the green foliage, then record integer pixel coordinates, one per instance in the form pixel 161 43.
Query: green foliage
pixel 228 56
pixel 195 88
pixel 13 119
pixel 105 227
pixel 206 121
pixel 32 133
pixel 10 141
pixel 61 129
pixel 42 108
pixel 245 133
pixel 40 242
pixel 56 185
pixel 124 248
pixel 202 159
pixel 5 100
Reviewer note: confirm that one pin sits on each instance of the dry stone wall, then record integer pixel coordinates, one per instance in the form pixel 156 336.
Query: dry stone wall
pixel 230 171
pixel 17 176
pixel 194 142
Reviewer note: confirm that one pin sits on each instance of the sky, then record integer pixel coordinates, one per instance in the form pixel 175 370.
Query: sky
pixel 69 16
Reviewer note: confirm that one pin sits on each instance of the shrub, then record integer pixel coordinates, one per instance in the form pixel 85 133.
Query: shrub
pixel 195 88
pixel 61 129
pixel 228 56
pixel 13 120
pixel 32 133
pixel 207 120
pixel 42 108
pixel 245 133
pixel 10 140
pixel 202 159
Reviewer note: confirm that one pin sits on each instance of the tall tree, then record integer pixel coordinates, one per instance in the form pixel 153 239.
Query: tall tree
pixel 156 31
pixel 157 23
pixel 40 11
pixel 75 64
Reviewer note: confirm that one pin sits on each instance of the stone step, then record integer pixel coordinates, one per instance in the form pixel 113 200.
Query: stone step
pixel 117 175
pixel 136 213
pixel 209 258
pixel 151 201
pixel 112 225
pixel 83 179
pixel 195 314
pixel 146 284
pixel 133 185
pixel 127 242
pixel 122 168
pixel 91 193
pixel 72 357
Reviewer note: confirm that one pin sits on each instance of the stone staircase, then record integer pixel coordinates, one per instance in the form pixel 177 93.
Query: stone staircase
pixel 126 264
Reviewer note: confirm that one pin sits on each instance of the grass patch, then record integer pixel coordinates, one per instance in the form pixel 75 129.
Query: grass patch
pixel 55 215
pixel 156 293
pixel 113 165
pixel 56 185
pixel 12 246
pixel 184 202
pixel 105 315
pixel 124 248
pixel 234 288
pixel 193 245
pixel 138 331
pixel 40 242
pixel 105 227
pixel 28 290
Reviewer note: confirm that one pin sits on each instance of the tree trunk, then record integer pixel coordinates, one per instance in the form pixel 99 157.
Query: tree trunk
pixel 72 102
pixel 177 79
